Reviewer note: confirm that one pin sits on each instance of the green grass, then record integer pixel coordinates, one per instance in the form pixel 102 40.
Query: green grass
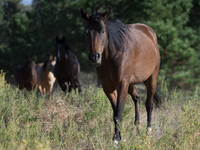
pixel 84 121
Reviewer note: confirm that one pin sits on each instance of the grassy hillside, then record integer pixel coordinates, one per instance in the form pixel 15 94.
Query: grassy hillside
pixel 84 121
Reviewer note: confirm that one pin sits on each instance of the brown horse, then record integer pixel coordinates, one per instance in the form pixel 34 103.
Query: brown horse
pixel 45 75
pixel 124 55
pixel 26 76
pixel 67 67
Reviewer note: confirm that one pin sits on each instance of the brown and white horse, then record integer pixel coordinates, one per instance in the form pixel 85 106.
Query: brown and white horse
pixel 45 75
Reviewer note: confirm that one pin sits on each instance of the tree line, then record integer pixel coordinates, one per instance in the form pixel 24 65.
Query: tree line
pixel 30 31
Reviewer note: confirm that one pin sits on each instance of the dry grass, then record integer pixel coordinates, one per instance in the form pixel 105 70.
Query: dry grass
pixel 84 121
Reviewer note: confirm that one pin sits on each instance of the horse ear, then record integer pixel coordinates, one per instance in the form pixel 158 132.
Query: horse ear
pixel 51 57
pixel 54 58
pixel 84 14
pixel 106 14
pixel 56 39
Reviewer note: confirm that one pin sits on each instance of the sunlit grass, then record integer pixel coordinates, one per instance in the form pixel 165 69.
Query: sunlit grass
pixel 84 121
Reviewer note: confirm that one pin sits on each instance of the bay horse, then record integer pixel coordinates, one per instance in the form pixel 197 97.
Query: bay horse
pixel 67 67
pixel 26 76
pixel 45 75
pixel 124 55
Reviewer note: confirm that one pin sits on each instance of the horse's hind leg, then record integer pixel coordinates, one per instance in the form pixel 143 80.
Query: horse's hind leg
pixel 21 87
pixel 136 98
pixel 40 89
pixel 71 86
pixel 150 83
pixel 77 85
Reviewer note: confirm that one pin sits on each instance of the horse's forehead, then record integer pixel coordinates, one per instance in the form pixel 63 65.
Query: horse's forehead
pixel 93 25
pixel 32 62
pixel 61 45
pixel 52 62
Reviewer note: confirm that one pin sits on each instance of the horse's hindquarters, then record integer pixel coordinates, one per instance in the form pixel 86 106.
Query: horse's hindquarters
pixel 144 56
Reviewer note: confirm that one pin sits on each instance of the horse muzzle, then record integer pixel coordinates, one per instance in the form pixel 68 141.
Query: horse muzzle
pixel 95 59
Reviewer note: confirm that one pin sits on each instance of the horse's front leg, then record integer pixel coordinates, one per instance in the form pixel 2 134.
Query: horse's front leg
pixel 112 96
pixel 117 99
pixel 40 89
pixel 121 100
pixel 71 86
pixel 62 85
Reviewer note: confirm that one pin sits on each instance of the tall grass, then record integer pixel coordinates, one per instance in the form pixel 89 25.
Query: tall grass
pixel 84 121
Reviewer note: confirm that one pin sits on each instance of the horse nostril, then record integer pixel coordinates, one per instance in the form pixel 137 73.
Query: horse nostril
pixel 97 55
pixel 89 56
pixel 94 57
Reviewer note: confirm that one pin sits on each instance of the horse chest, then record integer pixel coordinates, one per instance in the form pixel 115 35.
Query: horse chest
pixel 108 77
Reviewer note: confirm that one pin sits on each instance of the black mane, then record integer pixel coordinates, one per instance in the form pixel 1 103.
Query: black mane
pixel 117 34
pixel 117 31
pixel 63 42
pixel 45 65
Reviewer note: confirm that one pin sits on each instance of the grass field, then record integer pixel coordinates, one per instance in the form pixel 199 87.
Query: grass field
pixel 84 121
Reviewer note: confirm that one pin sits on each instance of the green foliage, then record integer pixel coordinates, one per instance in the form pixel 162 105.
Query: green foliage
pixel 30 32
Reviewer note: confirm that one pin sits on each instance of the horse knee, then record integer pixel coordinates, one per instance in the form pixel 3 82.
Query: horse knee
pixel 64 88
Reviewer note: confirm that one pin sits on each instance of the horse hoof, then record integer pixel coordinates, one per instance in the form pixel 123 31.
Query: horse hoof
pixel 149 130
pixel 137 123
pixel 115 143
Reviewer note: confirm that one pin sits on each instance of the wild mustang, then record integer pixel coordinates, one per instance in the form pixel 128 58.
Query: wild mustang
pixel 45 75
pixel 124 55
pixel 26 76
pixel 67 67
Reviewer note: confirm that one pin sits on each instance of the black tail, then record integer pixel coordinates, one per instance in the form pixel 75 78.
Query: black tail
pixel 79 87
pixel 158 96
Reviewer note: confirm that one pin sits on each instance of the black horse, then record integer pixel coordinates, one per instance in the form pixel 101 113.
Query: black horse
pixel 67 67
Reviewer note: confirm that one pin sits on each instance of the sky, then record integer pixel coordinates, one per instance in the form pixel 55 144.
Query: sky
pixel 26 2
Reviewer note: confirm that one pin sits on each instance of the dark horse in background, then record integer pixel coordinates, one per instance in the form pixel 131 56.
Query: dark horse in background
pixel 26 76
pixel 124 55
pixel 67 67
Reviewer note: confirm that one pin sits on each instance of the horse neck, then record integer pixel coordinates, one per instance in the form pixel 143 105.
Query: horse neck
pixel 64 59
pixel 111 58
pixel 24 71
pixel 47 71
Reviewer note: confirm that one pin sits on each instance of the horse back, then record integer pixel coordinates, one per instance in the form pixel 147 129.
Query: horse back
pixel 149 32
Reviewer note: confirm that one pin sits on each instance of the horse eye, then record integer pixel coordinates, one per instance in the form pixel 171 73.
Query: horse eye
pixel 102 31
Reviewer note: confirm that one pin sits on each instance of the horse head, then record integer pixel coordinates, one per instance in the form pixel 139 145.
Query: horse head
pixel 96 33
pixel 51 63
pixel 61 47
pixel 30 65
